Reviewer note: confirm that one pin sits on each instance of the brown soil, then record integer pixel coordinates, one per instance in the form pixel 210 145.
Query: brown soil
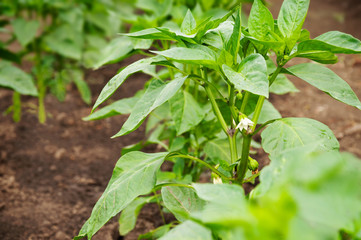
pixel 51 175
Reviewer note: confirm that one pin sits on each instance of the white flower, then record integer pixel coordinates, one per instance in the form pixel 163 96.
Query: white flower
pixel 244 123
pixel 217 180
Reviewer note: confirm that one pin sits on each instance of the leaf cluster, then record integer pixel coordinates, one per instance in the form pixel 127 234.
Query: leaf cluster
pixel 205 102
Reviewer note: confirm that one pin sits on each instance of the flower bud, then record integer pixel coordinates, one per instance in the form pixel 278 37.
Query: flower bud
pixel 252 164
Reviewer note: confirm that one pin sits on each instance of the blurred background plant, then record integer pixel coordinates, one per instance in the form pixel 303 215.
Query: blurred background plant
pixel 61 38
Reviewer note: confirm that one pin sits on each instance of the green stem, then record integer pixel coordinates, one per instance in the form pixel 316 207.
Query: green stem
pixel 160 208
pixel 16 106
pixel 257 112
pixel 216 110
pixel 242 165
pixel 233 145
pixel 213 169
pixel 159 186
pixel 244 102
pixel 231 104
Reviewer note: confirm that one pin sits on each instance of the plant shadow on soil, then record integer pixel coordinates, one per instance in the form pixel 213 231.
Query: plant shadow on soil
pixel 51 175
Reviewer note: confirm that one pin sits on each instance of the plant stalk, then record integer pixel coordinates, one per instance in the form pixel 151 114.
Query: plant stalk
pixel 247 137
pixel 213 169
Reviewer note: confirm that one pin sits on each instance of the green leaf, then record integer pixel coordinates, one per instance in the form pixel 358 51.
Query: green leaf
pixel 334 41
pixel 156 94
pixel 220 193
pixel 156 233
pixel 189 23
pixel 122 106
pixel 188 230
pixel 191 56
pixel 226 205
pixel 324 186
pixel 291 18
pixel 327 81
pixel 282 85
pixel 252 75
pixel 128 216
pixel 260 22
pixel 218 150
pixel 234 42
pixel 288 133
pixel 66 41
pixel 186 112
pixel 219 36
pixel 118 79
pixel 14 78
pixel 82 86
pixel 150 33
pixel 323 57
pixel 115 51
pixel 181 201
pixel 25 31
pixel 133 175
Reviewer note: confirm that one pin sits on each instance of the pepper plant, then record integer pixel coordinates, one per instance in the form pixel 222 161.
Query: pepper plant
pixel 206 105
pixel 57 39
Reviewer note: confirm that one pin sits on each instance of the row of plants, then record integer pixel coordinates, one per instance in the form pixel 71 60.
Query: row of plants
pixel 60 39
pixel 205 102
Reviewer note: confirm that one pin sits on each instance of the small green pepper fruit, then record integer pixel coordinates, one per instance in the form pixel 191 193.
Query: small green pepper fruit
pixel 252 164
pixel 239 96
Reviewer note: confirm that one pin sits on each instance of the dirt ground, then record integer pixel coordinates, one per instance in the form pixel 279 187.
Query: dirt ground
pixel 51 175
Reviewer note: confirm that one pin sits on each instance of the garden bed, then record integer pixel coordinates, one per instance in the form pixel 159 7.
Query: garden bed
pixel 51 175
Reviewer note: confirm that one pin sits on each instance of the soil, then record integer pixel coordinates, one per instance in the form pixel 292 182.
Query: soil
pixel 51 175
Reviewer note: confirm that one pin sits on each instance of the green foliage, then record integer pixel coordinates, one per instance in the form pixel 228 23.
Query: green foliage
pixel 205 102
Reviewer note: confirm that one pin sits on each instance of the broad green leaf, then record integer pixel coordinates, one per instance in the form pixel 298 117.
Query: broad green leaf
pixel 252 75
pixel 282 85
pixel 150 33
pixel 133 175
pixel 66 41
pixel 191 56
pixel 218 150
pixel 234 42
pixel 219 36
pixel 327 81
pixel 188 230
pixel 122 106
pixel 226 205
pixel 186 112
pixel 129 215
pixel 288 133
pixel 334 41
pixel 276 45
pixel 260 22
pixel 305 35
pixel 324 186
pixel 118 79
pixel 25 31
pixel 189 23
pixel 156 233
pixel 181 201
pixel 156 94
pixel 82 86
pixel 115 51
pixel 14 78
pixel 291 18
pixel 323 57
pixel 220 193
